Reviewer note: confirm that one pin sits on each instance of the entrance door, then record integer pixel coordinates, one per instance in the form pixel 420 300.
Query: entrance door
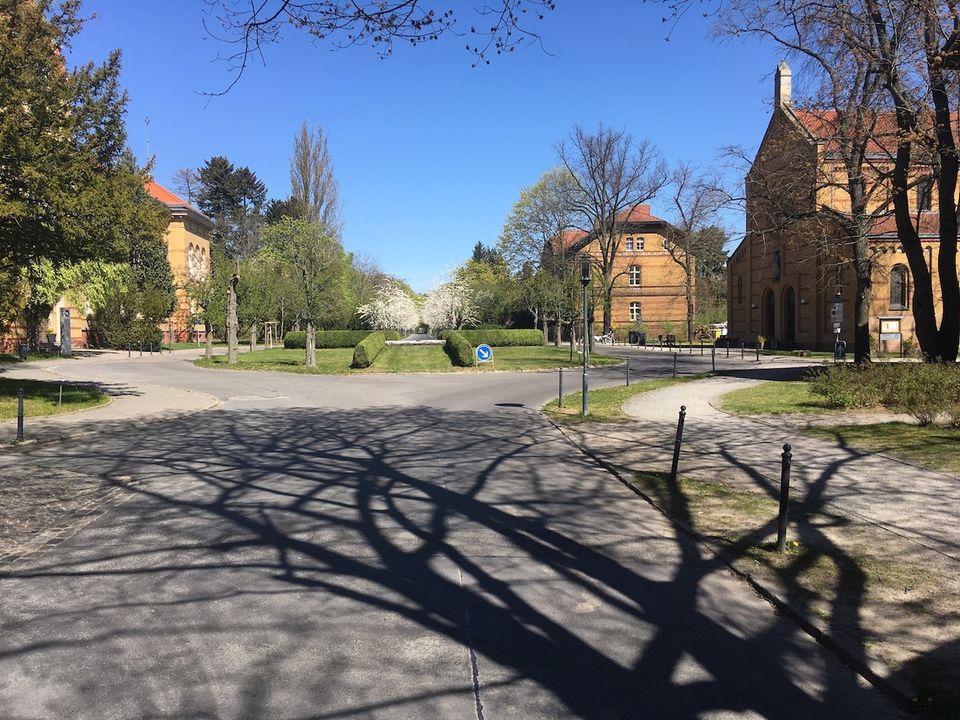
pixel 769 316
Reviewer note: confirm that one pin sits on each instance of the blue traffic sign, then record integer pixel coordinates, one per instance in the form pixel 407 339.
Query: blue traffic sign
pixel 484 353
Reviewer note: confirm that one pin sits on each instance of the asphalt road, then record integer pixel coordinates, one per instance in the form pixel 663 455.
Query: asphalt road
pixel 384 546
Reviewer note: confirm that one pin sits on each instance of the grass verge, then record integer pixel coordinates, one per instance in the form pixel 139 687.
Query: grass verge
pixel 606 404
pixel 40 398
pixel 397 359
pixel 6 358
pixel 540 357
pixel 775 398
pixel 934 447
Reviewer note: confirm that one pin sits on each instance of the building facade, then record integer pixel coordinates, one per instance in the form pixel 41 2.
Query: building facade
pixel 783 278
pixel 649 281
pixel 188 250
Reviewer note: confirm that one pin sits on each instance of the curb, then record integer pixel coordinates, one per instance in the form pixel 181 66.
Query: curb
pixel 902 699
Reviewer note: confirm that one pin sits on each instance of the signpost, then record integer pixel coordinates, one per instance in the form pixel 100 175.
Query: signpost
pixel 484 353
pixel 836 317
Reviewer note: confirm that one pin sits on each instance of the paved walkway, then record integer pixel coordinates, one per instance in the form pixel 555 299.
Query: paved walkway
pixel 130 401
pixel 857 504
pixel 901 498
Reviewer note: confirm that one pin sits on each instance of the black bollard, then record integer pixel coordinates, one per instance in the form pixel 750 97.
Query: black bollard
pixel 20 415
pixel 560 392
pixel 128 349
pixel 141 349
pixel 628 372
pixel 758 352
pixel 741 349
pixel 713 359
pixel 675 364
pixel 677 442
pixel 785 460
pixel 701 348
pixel 728 349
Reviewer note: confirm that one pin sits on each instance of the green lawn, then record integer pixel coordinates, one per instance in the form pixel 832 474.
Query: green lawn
pixel 40 398
pixel 398 359
pixel 14 358
pixel 329 361
pixel 775 398
pixel 930 446
pixel 540 357
pixel 606 404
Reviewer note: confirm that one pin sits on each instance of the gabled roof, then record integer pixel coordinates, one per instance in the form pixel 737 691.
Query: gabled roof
pixel 822 125
pixel 631 219
pixel 176 205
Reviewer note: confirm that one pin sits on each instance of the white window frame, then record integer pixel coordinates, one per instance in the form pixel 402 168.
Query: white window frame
pixel 635 312
pixel 634 276
pixel 628 244
pixel 639 246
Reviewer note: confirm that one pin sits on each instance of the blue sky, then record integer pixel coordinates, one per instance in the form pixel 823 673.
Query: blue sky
pixel 431 153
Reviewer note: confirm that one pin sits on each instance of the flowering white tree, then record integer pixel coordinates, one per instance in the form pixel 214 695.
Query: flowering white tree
pixel 451 305
pixel 390 309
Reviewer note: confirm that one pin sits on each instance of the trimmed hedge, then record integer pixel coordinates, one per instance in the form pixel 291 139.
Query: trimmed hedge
pixel 458 348
pixel 367 350
pixel 297 340
pixel 499 337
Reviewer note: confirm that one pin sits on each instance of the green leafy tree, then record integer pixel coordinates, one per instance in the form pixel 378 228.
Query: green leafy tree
pixel 320 264
pixel 69 190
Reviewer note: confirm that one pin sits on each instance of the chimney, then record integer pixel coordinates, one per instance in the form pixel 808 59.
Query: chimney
pixel 781 85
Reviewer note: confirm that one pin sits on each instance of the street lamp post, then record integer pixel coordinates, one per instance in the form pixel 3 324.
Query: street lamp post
pixel 585 281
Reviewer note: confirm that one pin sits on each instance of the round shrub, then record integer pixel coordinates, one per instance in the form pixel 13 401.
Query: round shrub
pixel 459 349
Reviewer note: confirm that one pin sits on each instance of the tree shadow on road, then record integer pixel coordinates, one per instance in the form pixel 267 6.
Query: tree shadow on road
pixel 263 556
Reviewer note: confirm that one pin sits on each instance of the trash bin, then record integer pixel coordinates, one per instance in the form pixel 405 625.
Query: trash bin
pixel 840 350
pixel 24 349
pixel 633 337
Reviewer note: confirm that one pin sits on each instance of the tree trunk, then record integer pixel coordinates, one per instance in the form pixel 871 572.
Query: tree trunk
pixel 607 306
pixel 573 339
pixel 546 328
pixel 557 330
pixel 861 307
pixel 253 336
pixel 208 340
pixel 311 349
pixel 232 328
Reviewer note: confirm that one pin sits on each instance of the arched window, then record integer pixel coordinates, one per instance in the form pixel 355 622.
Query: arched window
pixel 898 287
pixel 634 276
pixel 635 312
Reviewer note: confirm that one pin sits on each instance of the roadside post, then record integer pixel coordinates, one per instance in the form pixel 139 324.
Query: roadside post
pixel 677 442
pixel 713 359
pixel 628 372
pixel 560 391
pixel 785 460
pixel 585 281
pixel 20 415
pixel 675 364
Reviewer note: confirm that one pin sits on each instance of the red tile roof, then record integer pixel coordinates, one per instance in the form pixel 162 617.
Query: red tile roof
pixel 884 134
pixel 929 224
pixel 159 192
pixel 638 213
